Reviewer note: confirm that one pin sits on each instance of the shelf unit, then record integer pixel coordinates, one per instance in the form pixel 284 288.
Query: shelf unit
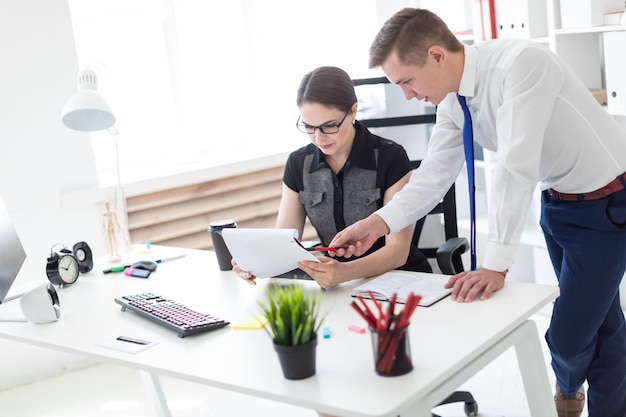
pixel 588 53
pixel 593 52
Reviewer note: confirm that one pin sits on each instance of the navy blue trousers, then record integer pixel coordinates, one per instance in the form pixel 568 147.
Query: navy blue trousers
pixel 586 241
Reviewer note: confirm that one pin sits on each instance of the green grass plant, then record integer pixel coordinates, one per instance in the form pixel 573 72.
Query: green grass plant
pixel 292 313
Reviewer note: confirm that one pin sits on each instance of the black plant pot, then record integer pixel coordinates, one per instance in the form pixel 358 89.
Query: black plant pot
pixel 297 362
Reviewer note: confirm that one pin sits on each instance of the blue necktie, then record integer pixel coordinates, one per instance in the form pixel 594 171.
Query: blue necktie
pixel 468 145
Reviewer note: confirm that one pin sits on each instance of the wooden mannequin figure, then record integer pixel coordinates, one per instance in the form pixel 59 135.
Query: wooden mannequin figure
pixel 111 227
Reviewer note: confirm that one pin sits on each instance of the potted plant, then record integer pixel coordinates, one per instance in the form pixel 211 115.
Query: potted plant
pixel 293 318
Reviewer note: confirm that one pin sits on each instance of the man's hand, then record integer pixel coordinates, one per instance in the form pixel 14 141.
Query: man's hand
pixel 359 237
pixel 467 285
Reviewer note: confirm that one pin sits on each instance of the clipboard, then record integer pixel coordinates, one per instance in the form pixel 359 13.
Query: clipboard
pixel 266 253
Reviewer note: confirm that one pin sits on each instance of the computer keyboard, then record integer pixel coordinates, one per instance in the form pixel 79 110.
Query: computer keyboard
pixel 170 313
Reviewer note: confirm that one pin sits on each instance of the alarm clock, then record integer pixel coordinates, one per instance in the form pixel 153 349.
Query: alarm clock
pixel 62 267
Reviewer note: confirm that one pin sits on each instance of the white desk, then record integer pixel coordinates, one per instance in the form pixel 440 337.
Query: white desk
pixel 450 342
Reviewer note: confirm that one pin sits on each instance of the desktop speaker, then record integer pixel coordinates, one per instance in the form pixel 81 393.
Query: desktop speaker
pixel 41 304
pixel 84 256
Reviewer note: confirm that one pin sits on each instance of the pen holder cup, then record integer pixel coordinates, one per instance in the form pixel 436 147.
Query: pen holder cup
pixel 392 351
pixel 221 251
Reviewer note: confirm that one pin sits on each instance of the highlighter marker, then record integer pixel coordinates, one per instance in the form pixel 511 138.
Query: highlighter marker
pixel 119 268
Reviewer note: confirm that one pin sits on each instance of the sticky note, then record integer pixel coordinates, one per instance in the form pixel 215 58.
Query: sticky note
pixel 356 329
pixel 326 332
pixel 250 323
pixel 146 248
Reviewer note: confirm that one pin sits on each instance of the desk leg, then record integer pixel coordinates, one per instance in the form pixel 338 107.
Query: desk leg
pixel 525 339
pixel 155 392
pixel 535 378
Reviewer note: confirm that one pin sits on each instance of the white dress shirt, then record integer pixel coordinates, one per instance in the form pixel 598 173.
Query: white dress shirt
pixel 541 122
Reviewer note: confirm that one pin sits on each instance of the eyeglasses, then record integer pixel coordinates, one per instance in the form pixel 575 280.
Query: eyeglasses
pixel 328 129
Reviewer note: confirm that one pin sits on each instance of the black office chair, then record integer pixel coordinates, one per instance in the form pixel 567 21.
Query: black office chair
pixel 447 254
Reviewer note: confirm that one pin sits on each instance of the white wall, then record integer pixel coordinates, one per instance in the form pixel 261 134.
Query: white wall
pixel 40 159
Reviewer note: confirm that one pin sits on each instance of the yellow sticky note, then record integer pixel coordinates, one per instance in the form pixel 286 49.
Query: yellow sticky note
pixel 250 323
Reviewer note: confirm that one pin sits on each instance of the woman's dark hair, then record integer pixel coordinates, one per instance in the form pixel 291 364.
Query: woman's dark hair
pixel 330 86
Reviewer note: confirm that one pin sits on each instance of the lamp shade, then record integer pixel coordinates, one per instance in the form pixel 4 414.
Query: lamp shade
pixel 87 110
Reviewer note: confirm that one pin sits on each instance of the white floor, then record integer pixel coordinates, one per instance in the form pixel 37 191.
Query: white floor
pixel 111 390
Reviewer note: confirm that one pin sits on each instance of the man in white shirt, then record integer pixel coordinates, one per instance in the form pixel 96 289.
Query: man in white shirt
pixel 545 128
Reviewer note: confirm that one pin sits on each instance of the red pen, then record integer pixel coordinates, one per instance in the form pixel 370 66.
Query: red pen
pixel 326 248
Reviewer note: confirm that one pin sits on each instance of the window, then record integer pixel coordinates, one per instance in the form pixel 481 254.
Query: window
pixel 197 83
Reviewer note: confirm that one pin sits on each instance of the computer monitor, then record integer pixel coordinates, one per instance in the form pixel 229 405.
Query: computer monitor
pixel 12 254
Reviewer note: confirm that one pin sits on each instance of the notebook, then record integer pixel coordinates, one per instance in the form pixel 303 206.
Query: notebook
pixel 429 286
pixel 266 253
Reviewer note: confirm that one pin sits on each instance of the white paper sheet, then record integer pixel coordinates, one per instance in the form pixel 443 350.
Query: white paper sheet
pixel 265 253
pixel 429 286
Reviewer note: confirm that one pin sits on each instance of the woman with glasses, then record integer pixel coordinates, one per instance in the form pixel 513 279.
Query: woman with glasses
pixel 345 174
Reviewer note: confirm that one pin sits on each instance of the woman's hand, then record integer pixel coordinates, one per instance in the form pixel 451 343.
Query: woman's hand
pixel 327 273
pixel 245 275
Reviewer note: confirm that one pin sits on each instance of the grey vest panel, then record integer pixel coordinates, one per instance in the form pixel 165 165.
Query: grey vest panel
pixel 359 191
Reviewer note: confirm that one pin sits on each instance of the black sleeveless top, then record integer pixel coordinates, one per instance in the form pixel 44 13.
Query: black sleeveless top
pixel 333 202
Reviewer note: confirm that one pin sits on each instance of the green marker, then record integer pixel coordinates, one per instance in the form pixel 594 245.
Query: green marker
pixel 119 268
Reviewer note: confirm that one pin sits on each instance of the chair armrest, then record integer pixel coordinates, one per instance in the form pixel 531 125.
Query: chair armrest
pixel 449 255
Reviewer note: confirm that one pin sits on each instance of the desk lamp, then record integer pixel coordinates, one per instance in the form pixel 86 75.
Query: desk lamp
pixel 88 111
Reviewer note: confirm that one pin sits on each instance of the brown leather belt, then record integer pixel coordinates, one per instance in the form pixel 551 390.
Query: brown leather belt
pixel 614 186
